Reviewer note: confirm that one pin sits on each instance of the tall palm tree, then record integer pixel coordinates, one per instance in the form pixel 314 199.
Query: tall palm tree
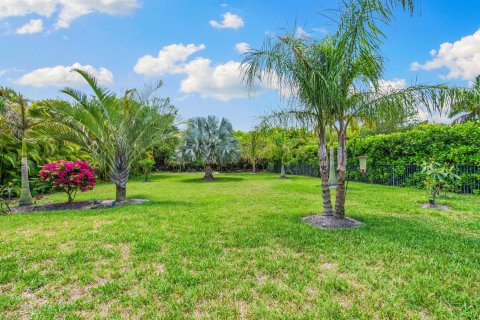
pixel 209 141
pixel 16 113
pixel 467 109
pixel 336 80
pixel 115 131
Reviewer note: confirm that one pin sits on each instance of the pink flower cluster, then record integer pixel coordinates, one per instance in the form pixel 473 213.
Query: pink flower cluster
pixel 69 177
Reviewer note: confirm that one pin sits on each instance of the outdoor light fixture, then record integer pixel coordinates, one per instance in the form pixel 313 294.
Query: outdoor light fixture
pixel 363 164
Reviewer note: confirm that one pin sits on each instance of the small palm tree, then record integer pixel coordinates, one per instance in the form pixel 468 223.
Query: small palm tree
pixel 279 147
pixel 210 142
pixel 115 131
pixel 252 147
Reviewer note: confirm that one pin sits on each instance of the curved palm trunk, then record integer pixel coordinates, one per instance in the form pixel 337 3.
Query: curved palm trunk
pixel 25 195
pixel 341 170
pixel 208 172
pixel 323 159
pixel 332 176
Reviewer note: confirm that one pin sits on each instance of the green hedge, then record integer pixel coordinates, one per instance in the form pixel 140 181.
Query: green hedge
pixel 458 144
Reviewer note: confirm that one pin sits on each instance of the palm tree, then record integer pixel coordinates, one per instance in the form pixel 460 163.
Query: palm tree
pixel 336 80
pixel 252 147
pixel 16 111
pixel 210 142
pixel 279 146
pixel 467 109
pixel 115 131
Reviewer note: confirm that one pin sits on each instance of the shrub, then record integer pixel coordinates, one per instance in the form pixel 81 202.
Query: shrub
pixel 69 177
pixel 438 178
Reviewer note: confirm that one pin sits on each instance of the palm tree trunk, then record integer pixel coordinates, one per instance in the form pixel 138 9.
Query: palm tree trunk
pixel 323 160
pixel 208 172
pixel 120 193
pixel 120 173
pixel 341 170
pixel 282 171
pixel 25 194
pixel 254 166
pixel 332 176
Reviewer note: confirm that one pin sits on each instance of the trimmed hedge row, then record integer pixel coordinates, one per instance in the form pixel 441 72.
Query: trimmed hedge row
pixel 458 144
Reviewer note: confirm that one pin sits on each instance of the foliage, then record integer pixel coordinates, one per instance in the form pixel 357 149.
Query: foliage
pixel 467 109
pixel 146 164
pixel 6 193
pixel 69 177
pixel 457 144
pixel 438 178
pixel 252 147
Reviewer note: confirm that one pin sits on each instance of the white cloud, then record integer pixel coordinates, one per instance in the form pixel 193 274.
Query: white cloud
pixel 68 10
pixel 461 58
pixel 72 9
pixel 170 59
pixel 230 21
pixel 242 47
pixel 222 82
pixel 394 84
pixel 60 76
pixel 34 26
pixel 17 8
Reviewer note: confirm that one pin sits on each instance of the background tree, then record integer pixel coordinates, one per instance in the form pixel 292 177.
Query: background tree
pixel 209 141
pixel 279 147
pixel 252 145
pixel 115 131
pixel 146 164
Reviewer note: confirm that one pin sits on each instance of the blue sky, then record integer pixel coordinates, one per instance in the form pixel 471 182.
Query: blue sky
pixel 120 41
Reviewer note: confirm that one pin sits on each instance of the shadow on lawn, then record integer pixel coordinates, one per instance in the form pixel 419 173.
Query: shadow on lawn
pixel 215 180
pixel 377 233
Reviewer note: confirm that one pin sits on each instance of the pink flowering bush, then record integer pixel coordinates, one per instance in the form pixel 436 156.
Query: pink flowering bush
pixel 69 177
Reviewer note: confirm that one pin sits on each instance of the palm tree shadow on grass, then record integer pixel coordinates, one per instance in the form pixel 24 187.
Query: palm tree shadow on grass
pixel 214 180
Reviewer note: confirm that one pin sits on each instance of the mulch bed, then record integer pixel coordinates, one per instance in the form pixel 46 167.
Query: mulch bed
pixel 435 206
pixel 76 205
pixel 330 222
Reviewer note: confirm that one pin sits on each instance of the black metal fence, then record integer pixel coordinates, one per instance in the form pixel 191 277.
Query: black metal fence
pixel 394 175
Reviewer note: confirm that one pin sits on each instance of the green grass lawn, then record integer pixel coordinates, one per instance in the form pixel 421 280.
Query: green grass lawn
pixel 236 248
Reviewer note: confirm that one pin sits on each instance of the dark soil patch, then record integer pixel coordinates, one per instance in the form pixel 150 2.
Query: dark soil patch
pixel 435 206
pixel 330 222
pixel 76 205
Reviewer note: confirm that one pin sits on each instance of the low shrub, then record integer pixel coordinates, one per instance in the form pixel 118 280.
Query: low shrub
pixel 69 177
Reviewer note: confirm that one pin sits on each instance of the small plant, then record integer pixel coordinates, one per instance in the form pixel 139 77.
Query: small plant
pixel 6 193
pixel 438 178
pixel 69 177
pixel 146 165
